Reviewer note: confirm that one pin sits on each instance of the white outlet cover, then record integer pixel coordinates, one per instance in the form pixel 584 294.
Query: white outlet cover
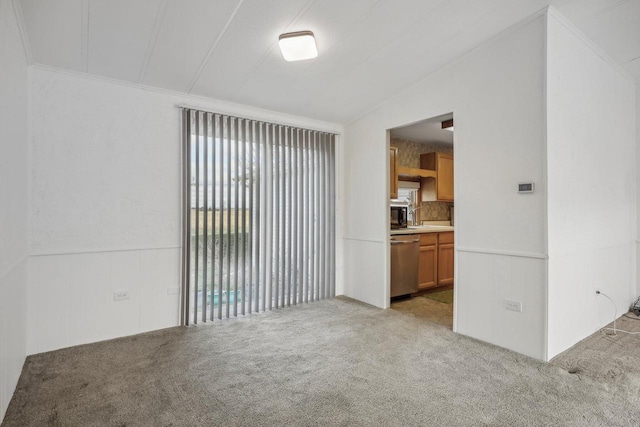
pixel 513 305
pixel 120 295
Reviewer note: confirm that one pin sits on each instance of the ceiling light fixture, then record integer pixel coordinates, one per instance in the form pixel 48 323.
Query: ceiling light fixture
pixel 298 46
pixel 448 125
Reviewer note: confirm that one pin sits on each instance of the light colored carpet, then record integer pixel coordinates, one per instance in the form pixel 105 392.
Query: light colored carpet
pixel 336 362
pixel 613 360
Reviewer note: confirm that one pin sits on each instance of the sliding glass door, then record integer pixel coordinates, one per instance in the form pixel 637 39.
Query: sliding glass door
pixel 258 216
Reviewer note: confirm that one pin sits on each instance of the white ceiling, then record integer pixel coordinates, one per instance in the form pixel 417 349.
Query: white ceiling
pixel 429 130
pixel 227 49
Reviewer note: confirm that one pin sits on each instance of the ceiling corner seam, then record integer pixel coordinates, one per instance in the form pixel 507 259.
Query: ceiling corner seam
pixel 84 49
pixel 162 10
pixel 22 28
pixel 213 47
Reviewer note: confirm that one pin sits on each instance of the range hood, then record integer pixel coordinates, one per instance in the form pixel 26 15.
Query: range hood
pixel 415 173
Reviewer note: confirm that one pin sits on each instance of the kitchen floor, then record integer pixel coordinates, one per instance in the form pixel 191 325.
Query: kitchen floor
pixel 434 311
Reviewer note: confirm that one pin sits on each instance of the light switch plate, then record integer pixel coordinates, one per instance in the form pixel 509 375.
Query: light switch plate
pixel 526 187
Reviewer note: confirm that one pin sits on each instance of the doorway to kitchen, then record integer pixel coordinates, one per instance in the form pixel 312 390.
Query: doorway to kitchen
pixel 421 202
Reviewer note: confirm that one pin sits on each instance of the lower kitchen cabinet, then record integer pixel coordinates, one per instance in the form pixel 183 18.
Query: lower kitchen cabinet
pixel 445 264
pixel 427 267
pixel 436 260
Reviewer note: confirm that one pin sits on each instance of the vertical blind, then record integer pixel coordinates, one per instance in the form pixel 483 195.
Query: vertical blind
pixel 258 216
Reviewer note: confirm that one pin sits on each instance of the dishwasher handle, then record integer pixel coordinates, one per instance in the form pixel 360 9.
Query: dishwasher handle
pixel 404 242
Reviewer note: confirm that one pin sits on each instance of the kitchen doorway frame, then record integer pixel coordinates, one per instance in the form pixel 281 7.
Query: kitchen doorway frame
pixel 388 220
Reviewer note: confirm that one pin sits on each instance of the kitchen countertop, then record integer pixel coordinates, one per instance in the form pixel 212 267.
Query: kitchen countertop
pixel 426 227
pixel 419 229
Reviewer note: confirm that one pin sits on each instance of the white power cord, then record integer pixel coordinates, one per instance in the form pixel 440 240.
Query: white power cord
pixel 615 316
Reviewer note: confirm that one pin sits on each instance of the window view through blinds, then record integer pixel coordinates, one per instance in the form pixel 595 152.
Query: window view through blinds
pixel 258 216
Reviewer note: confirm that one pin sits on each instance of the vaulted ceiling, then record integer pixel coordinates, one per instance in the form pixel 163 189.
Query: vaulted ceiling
pixel 227 49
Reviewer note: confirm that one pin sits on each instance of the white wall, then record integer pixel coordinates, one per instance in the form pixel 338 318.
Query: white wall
pixel 637 290
pixel 105 206
pixel 592 186
pixel 13 203
pixel 495 93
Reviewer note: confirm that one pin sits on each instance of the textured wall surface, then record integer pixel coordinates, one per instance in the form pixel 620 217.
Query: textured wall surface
pixel 71 296
pixel 514 277
pixel 637 291
pixel 13 330
pixel 13 141
pixel 592 181
pixel 13 203
pixel 105 210
pixel 105 166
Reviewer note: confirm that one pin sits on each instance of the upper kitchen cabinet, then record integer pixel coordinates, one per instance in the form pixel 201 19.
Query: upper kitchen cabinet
pixel 393 172
pixel 441 188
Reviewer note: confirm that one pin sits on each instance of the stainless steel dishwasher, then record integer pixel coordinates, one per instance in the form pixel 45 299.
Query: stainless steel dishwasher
pixel 405 253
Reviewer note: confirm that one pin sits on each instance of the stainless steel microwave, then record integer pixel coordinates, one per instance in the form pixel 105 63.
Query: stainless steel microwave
pixel 398 217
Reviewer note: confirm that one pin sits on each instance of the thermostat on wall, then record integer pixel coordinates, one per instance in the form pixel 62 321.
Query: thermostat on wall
pixel 525 187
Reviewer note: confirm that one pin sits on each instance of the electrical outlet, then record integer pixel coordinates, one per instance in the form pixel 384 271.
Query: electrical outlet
pixel 173 291
pixel 513 305
pixel 120 295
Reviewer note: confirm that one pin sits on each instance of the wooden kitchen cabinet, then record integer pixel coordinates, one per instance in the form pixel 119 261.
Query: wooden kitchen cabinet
pixel 439 188
pixel 393 172
pixel 435 266
pixel 445 259
pixel 427 266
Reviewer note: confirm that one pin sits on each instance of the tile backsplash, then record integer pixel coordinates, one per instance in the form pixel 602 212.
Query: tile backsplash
pixel 409 151
pixel 409 156
pixel 435 211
